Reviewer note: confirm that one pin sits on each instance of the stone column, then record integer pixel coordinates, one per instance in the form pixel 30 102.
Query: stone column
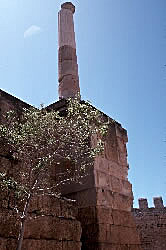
pixel 67 58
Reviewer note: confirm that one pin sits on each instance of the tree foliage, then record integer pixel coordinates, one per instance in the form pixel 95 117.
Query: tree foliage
pixel 44 142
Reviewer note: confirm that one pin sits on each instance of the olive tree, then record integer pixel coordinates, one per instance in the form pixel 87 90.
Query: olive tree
pixel 39 140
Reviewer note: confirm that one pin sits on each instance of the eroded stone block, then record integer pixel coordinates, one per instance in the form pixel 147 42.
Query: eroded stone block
pixel 67 67
pixel 69 86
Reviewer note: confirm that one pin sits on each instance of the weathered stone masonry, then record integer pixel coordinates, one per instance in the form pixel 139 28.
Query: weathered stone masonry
pixel 104 202
pixel 67 58
pixel 57 229
pixel 101 219
pixel 105 199
pixel 151 224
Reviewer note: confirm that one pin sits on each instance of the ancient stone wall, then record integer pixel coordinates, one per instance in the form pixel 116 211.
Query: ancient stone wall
pixel 105 198
pixel 115 227
pixel 51 225
pixel 151 224
pixel 104 201
pixel 52 222
pixel 9 102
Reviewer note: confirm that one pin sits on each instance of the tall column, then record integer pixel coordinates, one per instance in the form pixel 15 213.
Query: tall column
pixel 67 58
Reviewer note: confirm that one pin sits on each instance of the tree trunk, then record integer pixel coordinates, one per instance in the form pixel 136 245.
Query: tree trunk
pixel 23 220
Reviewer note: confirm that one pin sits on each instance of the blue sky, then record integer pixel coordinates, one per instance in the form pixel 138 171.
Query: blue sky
pixel 121 48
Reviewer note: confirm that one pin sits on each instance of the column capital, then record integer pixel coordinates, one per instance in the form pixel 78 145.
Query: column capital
pixel 69 6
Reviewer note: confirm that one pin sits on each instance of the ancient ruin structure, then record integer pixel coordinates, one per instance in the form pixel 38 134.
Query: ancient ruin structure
pixel 57 229
pixel 101 217
pixel 105 198
pixel 151 224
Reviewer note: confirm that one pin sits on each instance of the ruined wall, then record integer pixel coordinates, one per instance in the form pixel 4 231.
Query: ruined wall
pixel 52 222
pixel 51 225
pixel 9 102
pixel 110 224
pixel 151 224
pixel 105 197
pixel 104 201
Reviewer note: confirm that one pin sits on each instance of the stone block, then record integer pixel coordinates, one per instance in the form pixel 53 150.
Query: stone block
pixel 122 235
pixel 29 244
pixel 110 234
pixel 121 132
pixel 126 188
pixel 114 200
pixel 96 232
pixel 69 86
pixel 50 205
pixel 68 209
pixel 67 53
pixel 67 67
pixel 48 227
pixel 9 226
pixel 136 247
pixel 115 184
pixel 117 170
pixel 123 218
pixel 101 179
pixel 104 215
pixel 46 205
pixel 88 215
pixel 110 151
pixel 122 158
pixel 71 245
pixel 87 182
pixel 108 246
pixel 111 145
pixel 108 167
pixel 121 145
pixel 90 245
pixel 120 186
pixel 90 233
pixel 41 227
pixel 5 106
pixel 84 198
pixel 8 244
pixel 9 102
pixel 101 164
pixel 3 243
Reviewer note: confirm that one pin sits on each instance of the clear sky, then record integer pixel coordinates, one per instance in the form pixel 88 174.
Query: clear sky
pixel 121 48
